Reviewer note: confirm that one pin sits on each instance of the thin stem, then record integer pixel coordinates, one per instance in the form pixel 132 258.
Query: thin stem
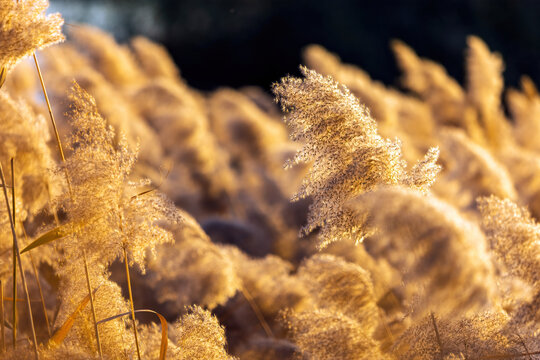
pixel 63 158
pixel 437 333
pixel 3 73
pixel 51 209
pixel 96 330
pixel 386 328
pixel 36 276
pixel 131 304
pixel 55 128
pixel 524 345
pixel 3 330
pixel 14 261
pixel 12 223
pixel 257 311
pixel 21 300
pixel 56 312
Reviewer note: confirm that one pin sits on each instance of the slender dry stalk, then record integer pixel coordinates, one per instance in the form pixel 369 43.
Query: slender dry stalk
pixel 383 320
pixel 89 286
pixel 53 122
pixel 14 260
pixel 16 245
pixel 257 312
pixel 36 276
pixel 51 208
pixel 21 300
pixel 3 330
pixel 3 73
pixel 61 152
pixel 437 334
pixel 42 298
pixel 131 305
pixel 524 345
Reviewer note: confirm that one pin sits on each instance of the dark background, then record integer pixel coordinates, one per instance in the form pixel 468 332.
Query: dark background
pixel 255 42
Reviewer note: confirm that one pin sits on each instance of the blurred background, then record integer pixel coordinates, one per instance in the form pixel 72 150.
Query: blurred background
pixel 256 42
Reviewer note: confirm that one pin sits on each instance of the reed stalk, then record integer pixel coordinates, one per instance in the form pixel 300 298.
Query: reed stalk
pixel 16 245
pixel 42 298
pixel 257 312
pixel 63 158
pixel 36 277
pixel 53 122
pixel 131 305
pixel 88 285
pixel 14 261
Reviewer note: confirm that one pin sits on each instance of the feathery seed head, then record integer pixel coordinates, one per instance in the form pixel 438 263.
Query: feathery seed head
pixel 199 335
pixel 104 205
pixel 349 157
pixel 25 28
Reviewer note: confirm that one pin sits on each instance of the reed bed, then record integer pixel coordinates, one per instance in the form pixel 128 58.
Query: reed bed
pixel 145 219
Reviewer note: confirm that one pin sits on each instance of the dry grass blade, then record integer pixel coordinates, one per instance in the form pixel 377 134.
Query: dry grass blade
pixel 144 192
pixel 16 246
pixel 62 332
pixel 51 235
pixel 164 328
pixel 154 188
pixel 20 300
pixel 55 234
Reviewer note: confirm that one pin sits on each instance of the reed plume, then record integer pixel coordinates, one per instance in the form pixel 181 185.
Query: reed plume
pixel 349 157
pixel 25 28
pixel 198 335
pixel 443 257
